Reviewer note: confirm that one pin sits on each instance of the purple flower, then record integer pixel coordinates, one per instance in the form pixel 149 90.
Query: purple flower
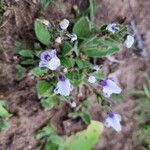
pixel 49 60
pixel 63 87
pixel 112 28
pixel 110 87
pixel 113 120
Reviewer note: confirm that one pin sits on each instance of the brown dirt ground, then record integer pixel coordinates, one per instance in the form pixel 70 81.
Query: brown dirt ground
pixel 28 116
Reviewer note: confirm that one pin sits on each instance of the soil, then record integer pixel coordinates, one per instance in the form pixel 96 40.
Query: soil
pixel 128 67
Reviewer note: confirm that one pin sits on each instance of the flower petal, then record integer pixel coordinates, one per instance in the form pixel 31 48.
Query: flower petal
pixel 91 79
pixel 54 63
pixel 63 88
pixel 129 41
pixel 45 53
pixel 73 37
pixel 52 53
pixel 112 28
pixel 113 87
pixel 64 24
pixel 107 123
pixel 43 64
pixel 48 53
pixel 118 117
pixel 106 93
pixel 114 122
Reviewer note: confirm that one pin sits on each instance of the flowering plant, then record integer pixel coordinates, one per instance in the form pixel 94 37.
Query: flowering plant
pixel 68 53
pixel 67 63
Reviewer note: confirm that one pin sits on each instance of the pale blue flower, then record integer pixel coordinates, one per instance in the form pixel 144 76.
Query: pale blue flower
pixel 112 28
pixel 63 86
pixel 110 87
pixel 64 24
pixel 73 37
pixel 49 60
pixel 113 120
pixel 129 41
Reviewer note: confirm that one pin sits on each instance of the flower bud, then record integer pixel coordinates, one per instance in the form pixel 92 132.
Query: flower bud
pixel 58 40
pixel 92 79
pixel 46 23
pixel 73 104
pixel 64 24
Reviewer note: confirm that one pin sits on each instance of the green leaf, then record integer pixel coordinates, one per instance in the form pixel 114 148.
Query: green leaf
pixel 83 64
pixel 86 118
pixel 82 28
pixel 96 47
pixel 50 146
pixel 50 102
pixel 87 103
pixel 92 9
pixel 45 3
pixel 85 140
pixel 39 71
pixel 100 52
pixel 75 77
pixel 67 62
pixel 27 62
pixel 56 140
pixel 3 124
pixel 99 75
pixel 20 72
pixel 3 112
pixel 37 46
pixel 44 88
pixel 66 48
pixel 42 33
pixel 147 91
pixel 26 53
pixel 4 115
pixel 46 131
pixel 82 111
pixel 75 115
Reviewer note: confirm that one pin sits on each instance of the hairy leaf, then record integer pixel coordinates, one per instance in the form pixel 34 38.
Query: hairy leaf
pixel 97 47
pixel 66 48
pixel 44 88
pixel 82 28
pixel 20 72
pixel 39 71
pixel 26 53
pixel 42 33
pixel 85 140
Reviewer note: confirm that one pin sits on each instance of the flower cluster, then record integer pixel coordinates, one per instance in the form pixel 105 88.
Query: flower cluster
pixel 113 28
pixel 50 59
